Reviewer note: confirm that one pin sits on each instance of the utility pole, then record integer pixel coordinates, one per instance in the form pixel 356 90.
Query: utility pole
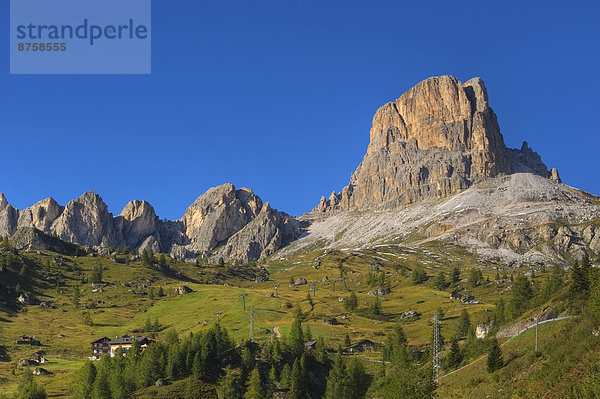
pixel 244 295
pixel 276 286
pixel 537 319
pixel 218 318
pixel 436 348
pixel 252 324
pixel 314 287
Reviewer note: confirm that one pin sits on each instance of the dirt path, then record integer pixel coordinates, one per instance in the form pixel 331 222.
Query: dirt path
pixel 277 333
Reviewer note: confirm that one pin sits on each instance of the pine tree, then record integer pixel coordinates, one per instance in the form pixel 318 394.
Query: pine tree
pixel 351 303
pixel 419 276
pixel 254 390
pixel 464 323
pixel 337 379
pixel 83 381
pixel 494 360
pixel 307 334
pixel 475 277
pixel 296 337
pixel 101 387
pixel 284 378
pixel 347 341
pixel 454 276
pixel 499 311
pixel 521 294
pixel 320 353
pixel 455 356
pixel 272 380
pixel 440 282
pixel 75 295
pixel 296 381
pixel 227 386
pixel 356 379
pixel 29 388
pixel 310 301
pixel 375 309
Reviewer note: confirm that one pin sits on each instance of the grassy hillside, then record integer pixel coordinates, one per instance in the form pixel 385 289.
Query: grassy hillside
pixel 124 305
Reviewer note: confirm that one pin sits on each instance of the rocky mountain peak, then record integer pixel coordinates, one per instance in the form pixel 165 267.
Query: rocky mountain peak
pixel 40 215
pixel 139 221
pixel 86 221
pixel 3 201
pixel 436 140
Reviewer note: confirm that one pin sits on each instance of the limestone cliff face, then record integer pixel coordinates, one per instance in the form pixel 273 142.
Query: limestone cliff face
pixel 41 215
pixel 9 216
pixel 218 214
pixel 137 222
pixel 86 221
pixel 434 141
pixel 224 222
pixel 268 232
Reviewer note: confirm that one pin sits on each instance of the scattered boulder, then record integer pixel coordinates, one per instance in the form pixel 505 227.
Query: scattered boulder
pixel 410 315
pixel 161 383
pixel 482 330
pixel 380 291
pixel 40 371
pixel 183 289
pixel 27 299
pixel 301 281
pixel 332 321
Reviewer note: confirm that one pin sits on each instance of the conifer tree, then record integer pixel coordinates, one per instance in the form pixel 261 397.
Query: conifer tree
pixel 455 356
pixel 296 381
pixel 337 379
pixel 284 378
pixel 83 381
pixel 464 323
pixel 454 275
pixel 296 337
pixel 351 303
pixel 440 282
pixel 29 388
pixel 254 390
pixel 494 360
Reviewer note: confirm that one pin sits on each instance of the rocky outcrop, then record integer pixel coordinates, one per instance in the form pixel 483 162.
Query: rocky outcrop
pixel 269 231
pixel 217 215
pixel 139 224
pixel 222 223
pixel 41 215
pixel 86 221
pixel 30 238
pixel 436 140
pixel 9 216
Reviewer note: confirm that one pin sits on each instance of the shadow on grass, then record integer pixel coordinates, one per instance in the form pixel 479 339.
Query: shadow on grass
pixel 4 356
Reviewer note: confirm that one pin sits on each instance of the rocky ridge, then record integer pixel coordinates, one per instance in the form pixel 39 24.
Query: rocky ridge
pixel 223 222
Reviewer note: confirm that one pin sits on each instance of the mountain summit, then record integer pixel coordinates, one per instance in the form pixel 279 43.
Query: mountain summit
pixel 436 140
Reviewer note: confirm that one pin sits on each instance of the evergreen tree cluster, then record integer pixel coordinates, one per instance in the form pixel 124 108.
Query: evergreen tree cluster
pixel 197 355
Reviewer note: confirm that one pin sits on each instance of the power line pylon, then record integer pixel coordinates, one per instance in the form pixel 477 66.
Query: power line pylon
pixel 436 348
pixel 252 324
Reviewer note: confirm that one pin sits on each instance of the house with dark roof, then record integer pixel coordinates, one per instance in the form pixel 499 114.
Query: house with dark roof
pixel 38 357
pixel 125 343
pixel 100 347
pixel 27 340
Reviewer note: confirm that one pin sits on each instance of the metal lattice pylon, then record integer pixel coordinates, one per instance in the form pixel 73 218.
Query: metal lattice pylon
pixel 436 348
pixel 252 324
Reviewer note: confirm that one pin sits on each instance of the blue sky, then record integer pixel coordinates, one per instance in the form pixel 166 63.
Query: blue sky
pixel 278 96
